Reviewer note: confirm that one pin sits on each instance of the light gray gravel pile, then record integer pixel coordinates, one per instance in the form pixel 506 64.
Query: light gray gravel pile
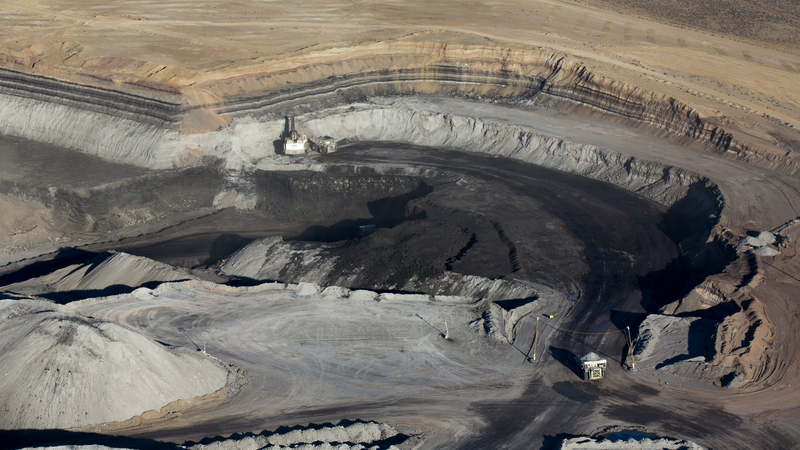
pixel 587 443
pixel 64 370
pixel 356 436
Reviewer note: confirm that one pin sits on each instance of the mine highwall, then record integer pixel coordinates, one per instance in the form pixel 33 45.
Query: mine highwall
pixel 249 143
pixel 120 139
pixel 144 128
pixel 696 198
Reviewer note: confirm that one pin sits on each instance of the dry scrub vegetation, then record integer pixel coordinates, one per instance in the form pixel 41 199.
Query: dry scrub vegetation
pixel 768 21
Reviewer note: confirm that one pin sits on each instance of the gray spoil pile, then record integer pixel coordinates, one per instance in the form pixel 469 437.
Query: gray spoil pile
pixel 66 370
pixel 587 443
pixel 107 274
pixel 409 257
pixel 355 436
pixel 761 244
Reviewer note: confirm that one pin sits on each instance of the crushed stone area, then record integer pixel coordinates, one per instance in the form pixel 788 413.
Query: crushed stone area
pixel 587 443
pixel 325 348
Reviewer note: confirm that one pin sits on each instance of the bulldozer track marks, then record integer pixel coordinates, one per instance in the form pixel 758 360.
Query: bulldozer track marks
pixel 604 34
pixel 551 16
pixel 651 35
pixel 788 66
pixel 582 22
pixel 628 35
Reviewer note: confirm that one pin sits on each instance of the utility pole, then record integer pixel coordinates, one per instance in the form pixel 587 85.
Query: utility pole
pixel 205 336
pixel 446 331
pixel 630 350
pixel 536 339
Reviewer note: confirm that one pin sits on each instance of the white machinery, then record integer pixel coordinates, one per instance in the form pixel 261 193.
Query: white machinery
pixel 593 366
pixel 295 144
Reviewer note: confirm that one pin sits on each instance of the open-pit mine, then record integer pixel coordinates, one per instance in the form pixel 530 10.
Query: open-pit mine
pixel 399 225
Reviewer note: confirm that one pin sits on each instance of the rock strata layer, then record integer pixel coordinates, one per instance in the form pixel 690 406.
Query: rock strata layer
pixel 150 125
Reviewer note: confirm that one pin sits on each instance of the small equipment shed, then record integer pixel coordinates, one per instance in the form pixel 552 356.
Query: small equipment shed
pixel 593 366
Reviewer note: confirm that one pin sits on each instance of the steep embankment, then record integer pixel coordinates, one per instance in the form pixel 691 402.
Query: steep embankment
pixel 107 274
pixel 153 126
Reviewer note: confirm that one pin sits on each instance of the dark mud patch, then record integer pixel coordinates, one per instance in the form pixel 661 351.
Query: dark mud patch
pixel 388 258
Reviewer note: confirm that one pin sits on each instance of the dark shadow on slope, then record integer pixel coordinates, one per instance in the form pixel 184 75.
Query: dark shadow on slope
pixel 622 320
pixel 717 312
pixel 63 257
pixel 551 442
pixel 383 444
pixel 661 287
pixel 515 303
pixel 688 223
pixel 65 297
pixel 238 281
pixel 394 209
pixel 223 246
pixel 11 439
pixel 386 213
pixel 567 359
pixel 340 231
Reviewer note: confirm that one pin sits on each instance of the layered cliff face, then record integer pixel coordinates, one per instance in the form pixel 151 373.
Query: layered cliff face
pixel 153 126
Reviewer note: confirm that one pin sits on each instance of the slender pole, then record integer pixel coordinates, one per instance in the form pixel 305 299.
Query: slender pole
pixel 205 336
pixel 630 348
pixel 536 339
pixel 446 331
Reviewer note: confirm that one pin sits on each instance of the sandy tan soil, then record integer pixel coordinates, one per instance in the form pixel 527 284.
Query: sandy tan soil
pixel 200 51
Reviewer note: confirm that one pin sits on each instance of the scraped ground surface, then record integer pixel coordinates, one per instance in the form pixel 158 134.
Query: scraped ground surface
pixel 323 350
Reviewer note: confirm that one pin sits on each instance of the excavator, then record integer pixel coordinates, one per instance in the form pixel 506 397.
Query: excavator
pixel 295 144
